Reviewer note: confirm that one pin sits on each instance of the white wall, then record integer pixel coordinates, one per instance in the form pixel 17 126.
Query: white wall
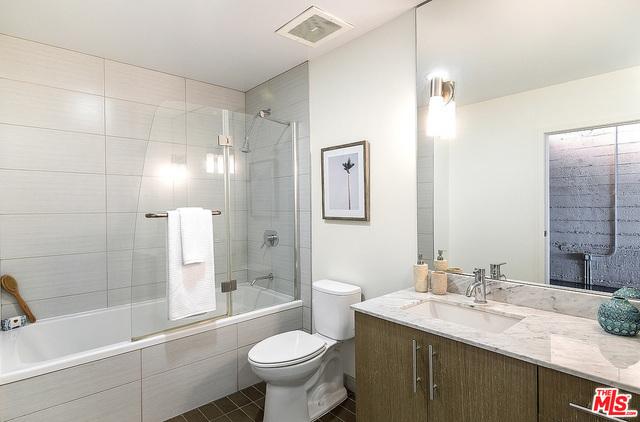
pixel 497 167
pixel 367 90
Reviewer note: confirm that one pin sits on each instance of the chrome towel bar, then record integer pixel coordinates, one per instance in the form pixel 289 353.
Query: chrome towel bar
pixel 164 214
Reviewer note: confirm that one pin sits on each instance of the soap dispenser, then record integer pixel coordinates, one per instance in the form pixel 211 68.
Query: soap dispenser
pixel 441 264
pixel 421 275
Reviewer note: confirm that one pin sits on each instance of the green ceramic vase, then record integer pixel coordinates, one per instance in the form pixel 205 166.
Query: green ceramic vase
pixel 619 317
pixel 628 293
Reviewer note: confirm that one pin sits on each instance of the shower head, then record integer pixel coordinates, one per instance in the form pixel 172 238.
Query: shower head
pixel 263 114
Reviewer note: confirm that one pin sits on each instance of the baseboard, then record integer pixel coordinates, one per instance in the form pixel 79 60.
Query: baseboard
pixel 350 383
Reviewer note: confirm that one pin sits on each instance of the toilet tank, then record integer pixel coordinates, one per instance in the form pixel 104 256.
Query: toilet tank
pixel 332 313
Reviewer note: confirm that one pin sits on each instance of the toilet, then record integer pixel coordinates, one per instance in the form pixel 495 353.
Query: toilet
pixel 303 372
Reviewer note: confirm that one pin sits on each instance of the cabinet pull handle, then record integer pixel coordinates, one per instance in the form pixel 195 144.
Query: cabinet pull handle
pixel 591 412
pixel 416 378
pixel 432 385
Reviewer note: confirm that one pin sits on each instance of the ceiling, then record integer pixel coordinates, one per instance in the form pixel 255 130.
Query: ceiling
pixel 493 48
pixel 226 42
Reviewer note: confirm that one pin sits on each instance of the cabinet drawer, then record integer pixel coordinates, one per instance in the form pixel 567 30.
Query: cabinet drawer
pixel 557 391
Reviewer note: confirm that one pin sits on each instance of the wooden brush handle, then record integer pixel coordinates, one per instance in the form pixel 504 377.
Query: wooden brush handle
pixel 25 308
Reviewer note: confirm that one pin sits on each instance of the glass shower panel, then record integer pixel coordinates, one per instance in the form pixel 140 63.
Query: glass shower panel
pixel 268 157
pixel 188 172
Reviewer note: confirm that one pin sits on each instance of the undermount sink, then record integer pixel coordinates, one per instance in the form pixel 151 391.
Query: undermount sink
pixel 471 317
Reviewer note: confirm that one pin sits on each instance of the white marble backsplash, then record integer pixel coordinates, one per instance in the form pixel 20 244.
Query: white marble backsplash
pixel 538 296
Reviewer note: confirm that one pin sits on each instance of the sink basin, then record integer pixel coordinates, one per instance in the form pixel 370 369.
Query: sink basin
pixel 470 317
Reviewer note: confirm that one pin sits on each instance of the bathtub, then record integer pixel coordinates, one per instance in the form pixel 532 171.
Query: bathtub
pixel 62 342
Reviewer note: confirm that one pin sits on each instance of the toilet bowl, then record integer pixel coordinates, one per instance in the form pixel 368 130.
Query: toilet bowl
pixel 303 372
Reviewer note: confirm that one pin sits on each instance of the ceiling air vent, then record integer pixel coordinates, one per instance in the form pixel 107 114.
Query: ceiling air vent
pixel 313 26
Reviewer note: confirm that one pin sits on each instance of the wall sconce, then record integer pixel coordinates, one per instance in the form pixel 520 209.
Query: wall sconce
pixel 441 116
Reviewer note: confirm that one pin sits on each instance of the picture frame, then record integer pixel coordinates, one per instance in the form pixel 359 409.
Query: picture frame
pixel 345 182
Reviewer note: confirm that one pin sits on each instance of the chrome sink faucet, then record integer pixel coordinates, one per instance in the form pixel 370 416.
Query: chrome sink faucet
pixel 478 287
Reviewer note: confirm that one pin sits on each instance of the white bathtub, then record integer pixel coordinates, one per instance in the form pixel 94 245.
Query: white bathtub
pixel 56 343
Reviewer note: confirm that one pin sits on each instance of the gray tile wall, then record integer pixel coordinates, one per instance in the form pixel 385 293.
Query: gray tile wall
pixel 81 138
pixel 271 182
pixel 425 189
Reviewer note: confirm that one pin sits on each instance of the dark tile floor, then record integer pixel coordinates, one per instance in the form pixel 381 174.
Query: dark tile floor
pixel 247 406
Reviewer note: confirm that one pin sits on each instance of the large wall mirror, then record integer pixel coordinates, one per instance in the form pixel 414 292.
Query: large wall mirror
pixel 529 139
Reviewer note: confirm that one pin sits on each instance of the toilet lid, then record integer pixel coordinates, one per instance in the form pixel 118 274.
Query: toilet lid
pixel 286 349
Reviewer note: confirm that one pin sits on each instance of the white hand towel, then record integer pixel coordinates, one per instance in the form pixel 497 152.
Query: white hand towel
pixel 190 288
pixel 194 243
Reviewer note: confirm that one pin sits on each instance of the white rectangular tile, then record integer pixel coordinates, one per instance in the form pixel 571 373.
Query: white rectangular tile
pixel 305 229
pixel 282 262
pixel 142 85
pixel 305 294
pixel 30 192
pixel 205 162
pixel 176 391
pixel 206 193
pixel 51 234
pixel 52 276
pixel 306 319
pixel 148 292
pixel 304 192
pixel 203 128
pixel 258 258
pixel 305 265
pixel 123 193
pixel 203 95
pixel 117 297
pixel 33 394
pixel 22 103
pixel 246 377
pixel 128 119
pixel 122 404
pixel 57 306
pixel 161 194
pixel 284 194
pixel 30 61
pixel 125 156
pixel 149 232
pixel 149 266
pixel 26 148
pixel 304 156
pixel 119 270
pixel 258 329
pixel 173 354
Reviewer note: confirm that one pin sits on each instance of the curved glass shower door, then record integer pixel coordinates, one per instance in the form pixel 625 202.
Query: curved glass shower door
pixel 250 180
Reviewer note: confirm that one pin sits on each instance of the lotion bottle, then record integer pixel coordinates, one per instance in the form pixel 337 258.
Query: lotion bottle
pixel 441 264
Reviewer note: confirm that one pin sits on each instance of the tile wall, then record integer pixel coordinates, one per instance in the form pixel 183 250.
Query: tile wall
pixel 270 174
pixel 425 190
pixel 87 145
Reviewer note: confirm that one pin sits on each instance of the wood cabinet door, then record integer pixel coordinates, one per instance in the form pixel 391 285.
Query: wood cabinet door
pixel 385 372
pixel 475 385
pixel 558 391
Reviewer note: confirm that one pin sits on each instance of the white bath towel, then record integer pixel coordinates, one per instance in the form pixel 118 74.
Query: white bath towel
pixel 190 288
pixel 194 242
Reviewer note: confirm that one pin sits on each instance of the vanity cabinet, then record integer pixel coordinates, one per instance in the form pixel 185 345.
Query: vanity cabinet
pixel 566 398
pixel 385 372
pixel 453 381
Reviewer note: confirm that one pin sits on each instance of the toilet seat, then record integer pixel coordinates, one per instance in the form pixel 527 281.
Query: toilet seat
pixel 286 349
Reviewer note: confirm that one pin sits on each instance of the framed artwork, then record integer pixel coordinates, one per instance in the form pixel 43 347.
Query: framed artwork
pixel 345 182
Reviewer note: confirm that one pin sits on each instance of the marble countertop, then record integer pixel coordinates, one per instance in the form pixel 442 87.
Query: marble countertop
pixel 569 344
